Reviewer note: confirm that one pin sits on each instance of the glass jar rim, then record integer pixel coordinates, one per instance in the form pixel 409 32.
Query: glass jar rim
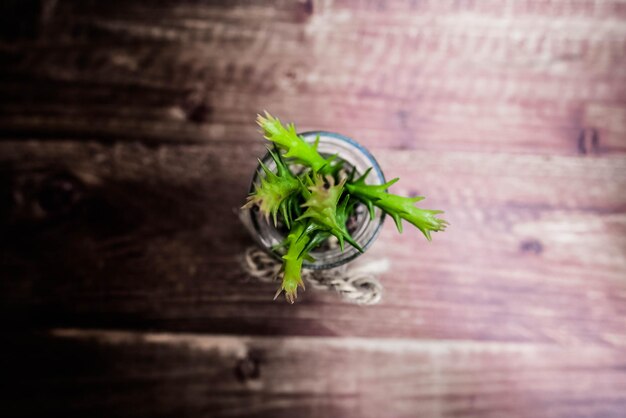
pixel 376 176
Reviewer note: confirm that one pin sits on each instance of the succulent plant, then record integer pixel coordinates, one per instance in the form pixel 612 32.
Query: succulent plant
pixel 317 202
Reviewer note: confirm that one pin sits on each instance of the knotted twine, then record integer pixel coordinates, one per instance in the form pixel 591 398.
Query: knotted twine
pixel 356 285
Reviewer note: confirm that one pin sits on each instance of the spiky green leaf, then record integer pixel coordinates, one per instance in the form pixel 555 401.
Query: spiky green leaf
pixel 398 207
pixel 296 147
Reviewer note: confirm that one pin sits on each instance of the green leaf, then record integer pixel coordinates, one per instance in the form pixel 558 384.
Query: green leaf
pixel 296 241
pixel 398 207
pixel 276 191
pixel 296 147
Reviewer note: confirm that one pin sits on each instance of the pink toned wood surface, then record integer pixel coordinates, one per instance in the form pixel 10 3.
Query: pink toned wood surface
pixel 127 141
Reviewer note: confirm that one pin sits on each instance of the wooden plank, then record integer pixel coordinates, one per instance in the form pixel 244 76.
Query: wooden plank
pixel 449 76
pixel 126 235
pixel 102 373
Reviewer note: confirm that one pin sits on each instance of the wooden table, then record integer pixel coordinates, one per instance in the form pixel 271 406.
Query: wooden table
pixel 127 142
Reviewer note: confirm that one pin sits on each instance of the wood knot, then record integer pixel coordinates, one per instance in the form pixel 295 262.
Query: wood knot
pixel 588 141
pixel 531 246
pixel 414 193
pixel 304 11
pixel 58 193
pixel 197 109
pixel 248 368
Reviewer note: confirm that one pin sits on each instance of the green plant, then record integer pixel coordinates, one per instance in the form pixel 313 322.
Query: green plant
pixel 316 201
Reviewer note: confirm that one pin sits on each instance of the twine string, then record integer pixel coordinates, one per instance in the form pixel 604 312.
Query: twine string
pixel 354 286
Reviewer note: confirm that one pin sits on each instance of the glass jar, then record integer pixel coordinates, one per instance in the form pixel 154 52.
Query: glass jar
pixel 364 231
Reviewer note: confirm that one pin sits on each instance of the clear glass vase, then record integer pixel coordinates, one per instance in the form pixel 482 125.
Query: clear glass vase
pixel 364 230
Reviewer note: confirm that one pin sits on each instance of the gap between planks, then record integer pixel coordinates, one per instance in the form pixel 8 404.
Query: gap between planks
pixel 238 344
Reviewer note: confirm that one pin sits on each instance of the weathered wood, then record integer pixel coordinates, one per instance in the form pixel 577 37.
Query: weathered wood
pixel 415 75
pixel 151 238
pixel 126 145
pixel 112 373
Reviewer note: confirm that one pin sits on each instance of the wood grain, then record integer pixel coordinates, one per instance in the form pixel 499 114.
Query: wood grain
pixel 520 263
pixel 454 77
pixel 147 374
pixel 127 142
